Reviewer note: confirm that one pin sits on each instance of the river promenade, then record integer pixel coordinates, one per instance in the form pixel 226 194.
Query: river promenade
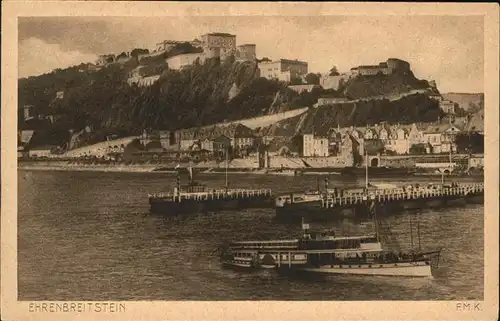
pixel 70 166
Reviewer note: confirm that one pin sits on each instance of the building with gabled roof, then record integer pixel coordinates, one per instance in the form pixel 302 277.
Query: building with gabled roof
pixel 441 138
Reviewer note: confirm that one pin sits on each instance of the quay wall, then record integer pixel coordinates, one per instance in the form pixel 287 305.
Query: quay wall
pixel 66 166
pixel 99 149
pixel 286 162
pixel 251 162
pixel 409 161
pixel 327 162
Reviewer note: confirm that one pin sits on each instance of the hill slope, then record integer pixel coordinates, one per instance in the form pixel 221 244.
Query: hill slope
pixel 204 94
pixel 382 85
pixel 466 101
pixel 410 109
pixel 198 95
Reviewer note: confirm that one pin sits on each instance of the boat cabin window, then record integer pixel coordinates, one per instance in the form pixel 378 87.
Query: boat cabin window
pixel 369 240
pixel 243 254
pixel 331 244
pixel 195 189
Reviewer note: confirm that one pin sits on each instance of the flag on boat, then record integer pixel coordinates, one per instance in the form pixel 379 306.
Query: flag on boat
pixel 190 170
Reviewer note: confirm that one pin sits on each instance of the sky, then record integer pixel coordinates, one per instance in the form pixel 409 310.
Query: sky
pixel 447 49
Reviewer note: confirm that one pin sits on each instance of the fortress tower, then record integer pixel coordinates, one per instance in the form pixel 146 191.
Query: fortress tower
pixel 225 42
pixel 394 64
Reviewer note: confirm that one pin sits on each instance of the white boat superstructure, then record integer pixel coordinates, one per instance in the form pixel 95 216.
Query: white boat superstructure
pixel 421 269
pixel 327 253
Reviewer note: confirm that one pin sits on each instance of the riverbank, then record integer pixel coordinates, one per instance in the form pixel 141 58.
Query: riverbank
pixel 86 167
pixel 155 168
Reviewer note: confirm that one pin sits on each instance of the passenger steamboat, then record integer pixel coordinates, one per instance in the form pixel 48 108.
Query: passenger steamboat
pixel 328 253
pixel 198 198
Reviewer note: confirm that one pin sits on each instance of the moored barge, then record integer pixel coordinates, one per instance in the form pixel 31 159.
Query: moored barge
pixel 198 198
pixel 340 203
pixel 331 205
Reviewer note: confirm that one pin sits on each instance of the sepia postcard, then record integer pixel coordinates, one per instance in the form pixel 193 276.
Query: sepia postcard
pixel 249 161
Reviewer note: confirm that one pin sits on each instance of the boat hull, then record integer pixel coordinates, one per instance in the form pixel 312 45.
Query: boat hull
pixel 233 264
pixel 201 206
pixel 409 269
pixel 314 211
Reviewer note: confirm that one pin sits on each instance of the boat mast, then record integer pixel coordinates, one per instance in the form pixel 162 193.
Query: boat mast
pixel 451 144
pixel 376 223
pixel 178 179
pixel 190 170
pixel 411 235
pixel 418 233
pixel 305 229
pixel 227 150
pixel 366 170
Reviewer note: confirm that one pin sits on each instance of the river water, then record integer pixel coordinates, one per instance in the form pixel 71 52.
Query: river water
pixel 90 236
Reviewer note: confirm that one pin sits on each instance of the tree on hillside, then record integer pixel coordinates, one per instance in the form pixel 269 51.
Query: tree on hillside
pixel 470 143
pixel 472 108
pixel 295 81
pixel 182 48
pixel 459 111
pixel 312 79
pixel 334 71
pixel 417 149
pixel 138 51
pixel 122 55
pixel 110 59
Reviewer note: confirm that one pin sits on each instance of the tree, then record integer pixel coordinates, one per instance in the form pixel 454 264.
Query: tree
pixel 110 59
pixel 312 79
pixel 295 81
pixel 460 112
pixel 230 59
pixel 138 51
pixel 472 108
pixel 122 55
pixel 334 71
pixel 417 149
pixel 470 142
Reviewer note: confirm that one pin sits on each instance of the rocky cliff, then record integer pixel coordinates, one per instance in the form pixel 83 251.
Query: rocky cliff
pixel 382 85
pixel 409 109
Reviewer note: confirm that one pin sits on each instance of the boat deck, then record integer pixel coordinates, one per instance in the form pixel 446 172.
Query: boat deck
pixel 213 195
pixel 399 194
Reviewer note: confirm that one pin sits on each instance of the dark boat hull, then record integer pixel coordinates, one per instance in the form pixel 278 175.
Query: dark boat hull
pixel 376 171
pixel 203 206
pixel 314 211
